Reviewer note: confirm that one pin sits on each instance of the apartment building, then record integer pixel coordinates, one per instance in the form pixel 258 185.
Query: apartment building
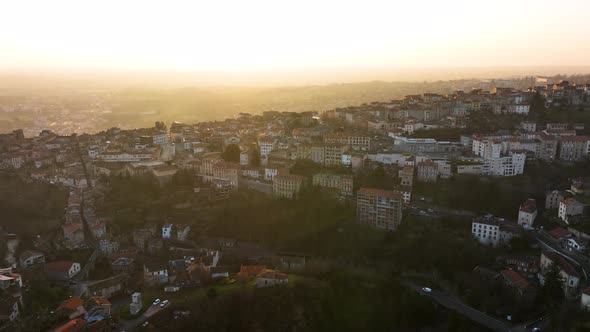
pixel 287 185
pixel 379 208
pixel 427 171
pixel 490 230
pixel 406 175
pixel 340 182
pixel 353 141
pixel 574 148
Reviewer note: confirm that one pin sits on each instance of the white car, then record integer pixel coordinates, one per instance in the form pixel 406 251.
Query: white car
pixel 156 302
pixel 164 303
pixel 427 290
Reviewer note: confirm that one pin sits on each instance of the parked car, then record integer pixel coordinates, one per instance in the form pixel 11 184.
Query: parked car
pixel 164 303
pixel 427 290
pixel 156 302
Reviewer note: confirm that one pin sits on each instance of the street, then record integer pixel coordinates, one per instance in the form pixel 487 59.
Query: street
pixel 451 302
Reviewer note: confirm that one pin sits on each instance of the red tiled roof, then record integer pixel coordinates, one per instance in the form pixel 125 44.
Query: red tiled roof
pixel 529 206
pixel 562 263
pixel 251 270
pixel 559 233
pixel 71 303
pixel 58 266
pixel 568 200
pixel 515 278
pixel 72 326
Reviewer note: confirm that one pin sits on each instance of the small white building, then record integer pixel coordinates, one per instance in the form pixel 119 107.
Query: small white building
pixel 585 300
pixel 568 208
pixel 167 230
pixel 270 278
pixel 569 275
pixel 527 213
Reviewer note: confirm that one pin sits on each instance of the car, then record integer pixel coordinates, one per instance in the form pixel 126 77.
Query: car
pixel 536 329
pixel 164 303
pixel 427 290
pixel 156 302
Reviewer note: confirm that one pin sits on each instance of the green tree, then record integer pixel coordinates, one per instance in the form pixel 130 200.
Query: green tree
pixel 255 157
pixel 538 105
pixel 231 153
pixel 552 290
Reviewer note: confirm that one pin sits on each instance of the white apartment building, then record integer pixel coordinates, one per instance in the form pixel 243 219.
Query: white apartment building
pixel 493 231
pixel 505 166
pixel 266 144
pixel 160 139
pixel 486 148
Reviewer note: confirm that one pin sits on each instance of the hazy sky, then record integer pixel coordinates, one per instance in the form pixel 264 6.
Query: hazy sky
pixel 248 35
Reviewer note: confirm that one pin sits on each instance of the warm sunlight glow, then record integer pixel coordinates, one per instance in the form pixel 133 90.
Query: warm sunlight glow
pixel 254 35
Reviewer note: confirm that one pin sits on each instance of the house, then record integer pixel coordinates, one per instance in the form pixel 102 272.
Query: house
pixel 521 287
pixel 585 299
pixel 155 273
pixel 182 232
pixel 552 198
pixel 248 271
pixel 289 261
pixel 9 310
pixel 62 270
pixel 29 258
pixel 559 234
pixel 168 231
pixel 577 244
pixel 9 279
pixel 106 287
pixel 527 213
pixel 494 231
pixel 71 308
pixel 569 275
pixel 527 266
pixel 569 208
pixel 123 265
pixel 270 278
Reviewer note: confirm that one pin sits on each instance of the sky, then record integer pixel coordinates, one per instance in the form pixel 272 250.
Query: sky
pixel 248 36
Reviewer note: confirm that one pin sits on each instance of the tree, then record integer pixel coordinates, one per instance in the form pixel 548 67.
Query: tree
pixel 160 125
pixel 231 153
pixel 538 104
pixel 212 293
pixel 552 291
pixel 255 161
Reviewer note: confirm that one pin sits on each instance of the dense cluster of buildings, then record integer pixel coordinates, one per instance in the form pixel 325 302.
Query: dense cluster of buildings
pixel 340 145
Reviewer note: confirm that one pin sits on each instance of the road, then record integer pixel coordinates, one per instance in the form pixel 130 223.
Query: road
pixel 579 261
pixel 128 325
pixel 451 302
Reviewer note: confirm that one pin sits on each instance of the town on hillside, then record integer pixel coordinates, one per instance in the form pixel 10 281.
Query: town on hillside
pixel 474 205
